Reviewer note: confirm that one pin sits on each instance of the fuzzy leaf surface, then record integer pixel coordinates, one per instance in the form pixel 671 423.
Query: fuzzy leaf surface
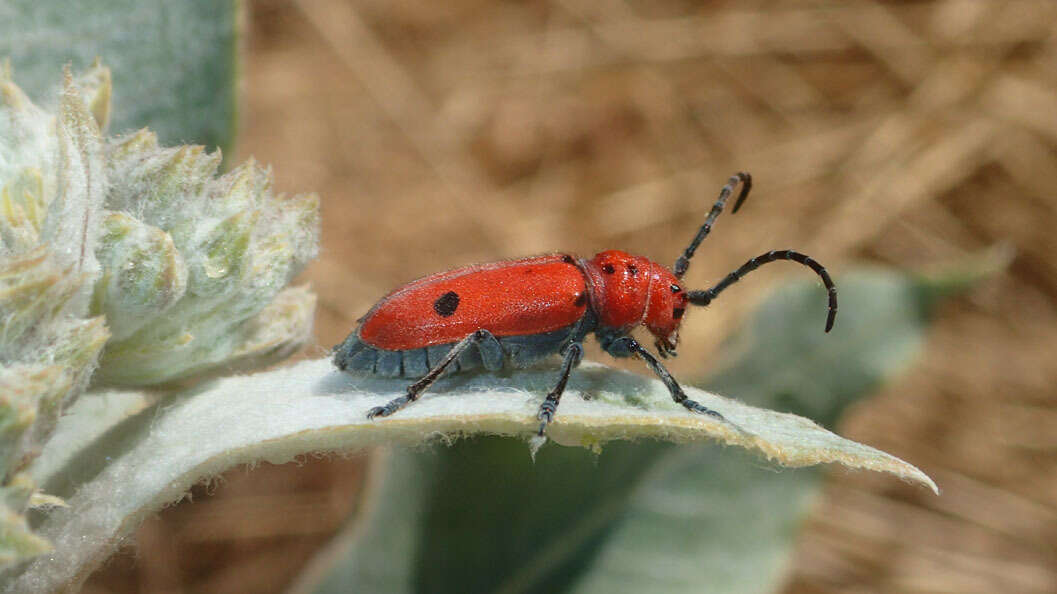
pixel 151 459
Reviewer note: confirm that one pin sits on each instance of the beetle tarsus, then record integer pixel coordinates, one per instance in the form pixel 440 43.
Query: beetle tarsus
pixel 546 413
pixel 390 407
pixel 697 407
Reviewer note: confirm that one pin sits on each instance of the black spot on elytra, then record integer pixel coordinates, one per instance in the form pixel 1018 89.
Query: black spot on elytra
pixel 678 312
pixel 567 259
pixel 446 304
pixel 581 300
pixel 675 288
pixel 608 269
pixel 632 269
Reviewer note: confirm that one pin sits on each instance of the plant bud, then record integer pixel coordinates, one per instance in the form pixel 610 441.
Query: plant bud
pixel 143 274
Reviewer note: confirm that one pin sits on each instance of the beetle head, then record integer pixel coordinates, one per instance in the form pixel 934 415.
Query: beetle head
pixel 664 313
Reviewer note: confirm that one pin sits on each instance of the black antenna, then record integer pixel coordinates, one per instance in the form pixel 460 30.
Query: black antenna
pixel 746 184
pixel 706 297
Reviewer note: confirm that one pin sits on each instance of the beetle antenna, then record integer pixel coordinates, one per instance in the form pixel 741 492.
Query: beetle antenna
pixel 746 184
pixel 706 297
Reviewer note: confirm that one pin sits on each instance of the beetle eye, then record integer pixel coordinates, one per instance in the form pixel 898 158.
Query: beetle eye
pixel 678 312
pixel 675 288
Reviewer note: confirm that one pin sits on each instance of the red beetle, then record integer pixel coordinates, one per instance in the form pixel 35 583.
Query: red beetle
pixel 519 311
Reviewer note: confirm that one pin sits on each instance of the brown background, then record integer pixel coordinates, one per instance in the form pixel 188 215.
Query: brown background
pixel 905 133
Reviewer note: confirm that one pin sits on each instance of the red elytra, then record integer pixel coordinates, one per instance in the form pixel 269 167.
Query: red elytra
pixel 518 311
pixel 529 296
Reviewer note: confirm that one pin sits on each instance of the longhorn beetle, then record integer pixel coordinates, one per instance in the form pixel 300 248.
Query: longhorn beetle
pixel 519 311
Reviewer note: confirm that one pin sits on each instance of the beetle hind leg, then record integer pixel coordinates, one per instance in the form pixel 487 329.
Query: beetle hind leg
pixel 416 389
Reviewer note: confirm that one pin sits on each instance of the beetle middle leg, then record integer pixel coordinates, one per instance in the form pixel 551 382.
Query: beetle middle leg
pixel 677 392
pixel 573 353
pixel 416 389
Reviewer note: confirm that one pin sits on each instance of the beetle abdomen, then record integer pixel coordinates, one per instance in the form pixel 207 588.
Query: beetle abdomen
pixel 354 355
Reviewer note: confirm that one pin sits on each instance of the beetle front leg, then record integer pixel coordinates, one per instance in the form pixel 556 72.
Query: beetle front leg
pixel 678 395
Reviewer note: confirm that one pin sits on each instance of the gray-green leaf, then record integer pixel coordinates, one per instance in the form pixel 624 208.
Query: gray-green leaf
pixel 151 459
pixel 642 516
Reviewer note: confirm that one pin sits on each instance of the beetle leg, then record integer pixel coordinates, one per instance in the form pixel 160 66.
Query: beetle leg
pixel 416 389
pixel 677 392
pixel 573 353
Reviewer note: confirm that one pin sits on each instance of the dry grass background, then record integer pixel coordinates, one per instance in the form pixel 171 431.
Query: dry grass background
pixel 906 133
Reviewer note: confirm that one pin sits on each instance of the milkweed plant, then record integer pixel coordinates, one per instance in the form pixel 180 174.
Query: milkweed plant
pixel 134 277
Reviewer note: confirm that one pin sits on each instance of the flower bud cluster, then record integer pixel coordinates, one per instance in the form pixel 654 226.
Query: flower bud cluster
pixel 52 189
pixel 191 262
pixel 125 262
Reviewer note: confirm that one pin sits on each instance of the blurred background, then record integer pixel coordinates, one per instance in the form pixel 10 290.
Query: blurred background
pixel 911 134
